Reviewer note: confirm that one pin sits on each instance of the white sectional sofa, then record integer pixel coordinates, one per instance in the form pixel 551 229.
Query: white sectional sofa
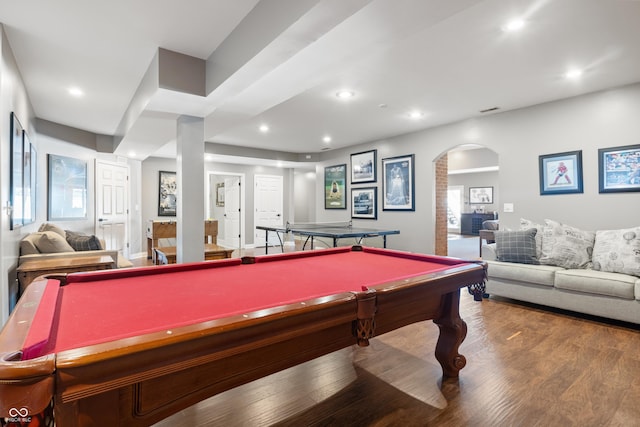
pixel 585 288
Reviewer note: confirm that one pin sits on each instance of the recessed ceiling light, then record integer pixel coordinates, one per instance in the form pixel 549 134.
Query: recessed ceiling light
pixel 345 94
pixel 513 25
pixel 573 74
pixel 326 139
pixel 75 91
pixel 415 114
pixel 264 128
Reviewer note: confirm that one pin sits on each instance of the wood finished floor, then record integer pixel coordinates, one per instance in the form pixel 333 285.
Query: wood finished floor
pixel 526 366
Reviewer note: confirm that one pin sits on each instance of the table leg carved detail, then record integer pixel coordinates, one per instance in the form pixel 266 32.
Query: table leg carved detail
pixel 364 327
pixel 478 290
pixel 453 331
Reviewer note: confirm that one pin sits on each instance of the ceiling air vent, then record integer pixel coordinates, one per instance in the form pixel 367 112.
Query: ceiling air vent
pixel 488 110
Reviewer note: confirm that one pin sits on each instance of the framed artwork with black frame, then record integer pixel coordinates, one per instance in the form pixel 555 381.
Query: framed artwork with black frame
pixel 363 167
pixel 364 203
pixel 220 194
pixel 335 187
pixel 479 195
pixel 619 169
pixel 67 195
pixel 16 176
pixel 167 198
pixel 561 173
pixel 398 189
pixel 29 181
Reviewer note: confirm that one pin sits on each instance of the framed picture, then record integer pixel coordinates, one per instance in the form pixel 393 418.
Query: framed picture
pixel 363 167
pixel 480 194
pixel 16 185
pixel 335 187
pixel 220 194
pixel 364 203
pixel 619 169
pixel 398 184
pixel 167 195
pixel 67 195
pixel 29 181
pixel 561 173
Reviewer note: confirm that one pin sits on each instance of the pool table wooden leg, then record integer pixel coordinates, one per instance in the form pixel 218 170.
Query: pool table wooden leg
pixel 453 331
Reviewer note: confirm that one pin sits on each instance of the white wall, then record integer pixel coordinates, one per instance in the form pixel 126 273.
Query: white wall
pixel 13 98
pixel 587 123
pixel 304 199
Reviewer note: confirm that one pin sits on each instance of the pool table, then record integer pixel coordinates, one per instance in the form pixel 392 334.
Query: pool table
pixel 133 346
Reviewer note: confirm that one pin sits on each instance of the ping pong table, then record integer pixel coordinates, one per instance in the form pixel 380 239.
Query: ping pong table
pixel 335 231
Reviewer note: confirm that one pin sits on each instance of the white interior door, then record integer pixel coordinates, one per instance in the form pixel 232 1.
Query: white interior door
pixel 112 210
pixel 232 211
pixel 268 202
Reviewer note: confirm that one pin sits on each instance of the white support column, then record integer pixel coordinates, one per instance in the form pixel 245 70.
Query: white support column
pixel 190 189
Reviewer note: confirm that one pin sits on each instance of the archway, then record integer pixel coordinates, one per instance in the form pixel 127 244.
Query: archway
pixel 473 171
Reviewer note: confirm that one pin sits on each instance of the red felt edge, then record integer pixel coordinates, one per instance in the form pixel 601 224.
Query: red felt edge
pixel 40 331
pixel 415 256
pixel 301 254
pixel 147 271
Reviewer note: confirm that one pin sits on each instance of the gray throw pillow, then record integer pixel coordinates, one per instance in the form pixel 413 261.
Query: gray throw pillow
pixel 83 242
pixel 516 246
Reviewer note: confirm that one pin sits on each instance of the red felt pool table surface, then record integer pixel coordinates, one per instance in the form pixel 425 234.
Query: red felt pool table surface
pixel 94 311
pixel 144 333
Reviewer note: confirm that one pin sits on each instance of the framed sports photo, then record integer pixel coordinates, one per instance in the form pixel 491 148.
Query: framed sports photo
pixel 398 184
pixel 619 169
pixel 561 173
pixel 335 187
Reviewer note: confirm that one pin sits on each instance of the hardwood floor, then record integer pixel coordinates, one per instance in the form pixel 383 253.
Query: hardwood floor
pixel 526 366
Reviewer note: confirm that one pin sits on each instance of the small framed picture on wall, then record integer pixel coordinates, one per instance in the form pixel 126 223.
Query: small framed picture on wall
pixel 480 194
pixel 364 203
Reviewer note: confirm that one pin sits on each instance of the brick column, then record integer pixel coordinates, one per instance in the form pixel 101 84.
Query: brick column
pixel 442 184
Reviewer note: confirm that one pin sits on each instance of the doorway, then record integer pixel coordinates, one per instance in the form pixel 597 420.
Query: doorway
pixel 226 205
pixel 455 195
pixel 269 206
pixel 112 205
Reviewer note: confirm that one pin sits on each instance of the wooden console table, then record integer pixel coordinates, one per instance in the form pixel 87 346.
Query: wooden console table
pixel 167 229
pixel 29 270
pixel 167 254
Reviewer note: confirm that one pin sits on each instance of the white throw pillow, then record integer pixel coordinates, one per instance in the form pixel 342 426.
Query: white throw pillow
pixel 566 246
pixel 617 251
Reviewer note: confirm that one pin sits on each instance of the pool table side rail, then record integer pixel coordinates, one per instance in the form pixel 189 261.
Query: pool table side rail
pixel 28 383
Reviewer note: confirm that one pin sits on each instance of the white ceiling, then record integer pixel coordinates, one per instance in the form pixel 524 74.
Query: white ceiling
pixel 449 59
